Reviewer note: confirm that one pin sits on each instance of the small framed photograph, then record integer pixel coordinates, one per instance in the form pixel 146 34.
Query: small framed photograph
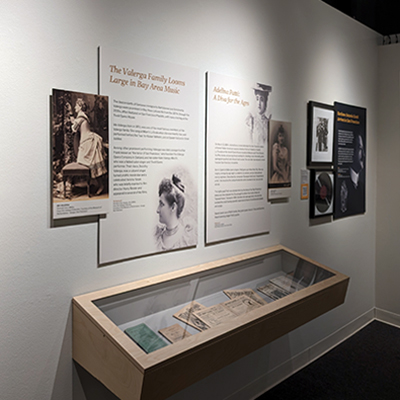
pixel 320 131
pixel 322 190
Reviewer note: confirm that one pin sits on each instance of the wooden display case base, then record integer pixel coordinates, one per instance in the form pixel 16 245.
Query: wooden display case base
pixel 106 352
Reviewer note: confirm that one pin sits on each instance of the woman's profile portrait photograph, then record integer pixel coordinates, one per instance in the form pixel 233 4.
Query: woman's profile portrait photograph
pixel 80 137
pixel 176 211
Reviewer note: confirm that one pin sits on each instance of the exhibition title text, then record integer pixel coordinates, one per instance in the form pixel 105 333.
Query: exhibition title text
pixel 128 77
pixel 229 96
pixel 348 118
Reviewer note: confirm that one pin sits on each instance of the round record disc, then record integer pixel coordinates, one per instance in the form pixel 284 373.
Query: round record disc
pixel 323 192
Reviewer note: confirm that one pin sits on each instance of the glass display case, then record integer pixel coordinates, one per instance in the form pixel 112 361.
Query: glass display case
pixel 151 338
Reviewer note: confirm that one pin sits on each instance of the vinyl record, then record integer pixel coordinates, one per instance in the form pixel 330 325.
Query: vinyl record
pixel 323 192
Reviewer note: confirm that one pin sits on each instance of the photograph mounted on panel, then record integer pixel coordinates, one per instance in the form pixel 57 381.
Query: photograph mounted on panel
pixel 177 220
pixel 322 190
pixel 257 120
pixel 320 131
pixel 280 149
pixel 79 154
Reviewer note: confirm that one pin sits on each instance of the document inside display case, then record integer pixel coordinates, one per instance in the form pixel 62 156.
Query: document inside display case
pixel 201 301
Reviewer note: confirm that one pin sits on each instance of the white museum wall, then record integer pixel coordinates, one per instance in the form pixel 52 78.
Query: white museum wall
pixel 388 192
pixel 305 50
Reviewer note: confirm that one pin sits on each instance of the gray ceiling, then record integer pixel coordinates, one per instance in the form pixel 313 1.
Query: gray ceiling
pixel 383 16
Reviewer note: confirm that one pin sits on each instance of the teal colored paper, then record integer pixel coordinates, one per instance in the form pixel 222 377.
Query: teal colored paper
pixel 145 338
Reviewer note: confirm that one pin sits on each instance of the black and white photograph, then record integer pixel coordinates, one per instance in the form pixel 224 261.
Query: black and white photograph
pixel 79 152
pixel 177 221
pixel 322 193
pixel 258 120
pixel 321 118
pixel 279 177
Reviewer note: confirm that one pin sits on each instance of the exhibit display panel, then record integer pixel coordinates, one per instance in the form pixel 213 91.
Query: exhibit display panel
pixel 154 136
pixel 237 158
pixel 151 338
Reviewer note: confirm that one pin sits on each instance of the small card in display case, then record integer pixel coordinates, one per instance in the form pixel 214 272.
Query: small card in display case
pixel 175 333
pixel 145 338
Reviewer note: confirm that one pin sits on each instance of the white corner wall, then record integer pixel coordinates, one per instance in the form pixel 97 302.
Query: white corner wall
pixel 388 190
pixel 305 50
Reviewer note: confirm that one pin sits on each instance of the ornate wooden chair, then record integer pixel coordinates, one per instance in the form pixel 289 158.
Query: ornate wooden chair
pixel 75 171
